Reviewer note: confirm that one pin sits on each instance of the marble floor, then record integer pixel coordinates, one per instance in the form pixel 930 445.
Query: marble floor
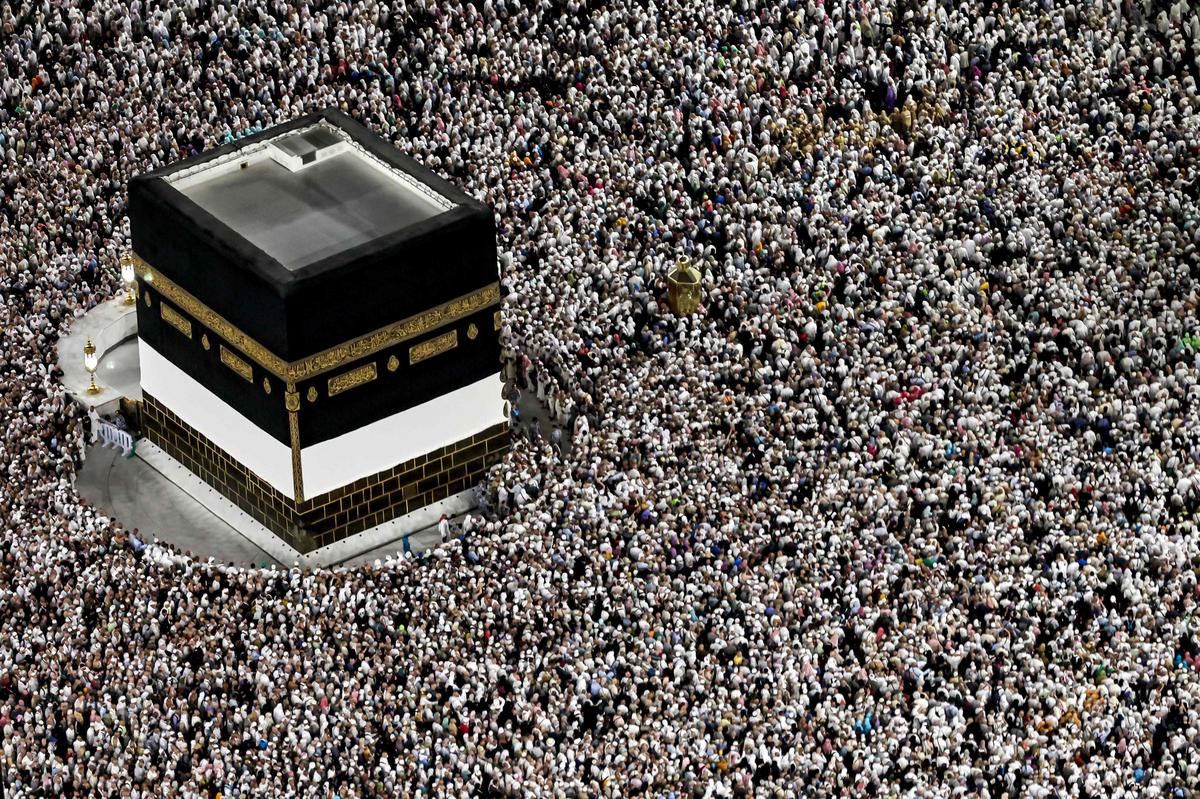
pixel 119 369
pixel 136 494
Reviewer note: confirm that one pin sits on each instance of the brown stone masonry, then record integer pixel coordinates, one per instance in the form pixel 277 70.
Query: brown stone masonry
pixel 214 466
pixel 325 519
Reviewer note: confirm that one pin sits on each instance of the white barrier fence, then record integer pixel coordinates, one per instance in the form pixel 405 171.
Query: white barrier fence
pixel 112 436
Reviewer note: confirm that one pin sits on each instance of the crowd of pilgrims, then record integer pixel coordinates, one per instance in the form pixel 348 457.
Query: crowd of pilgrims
pixel 908 508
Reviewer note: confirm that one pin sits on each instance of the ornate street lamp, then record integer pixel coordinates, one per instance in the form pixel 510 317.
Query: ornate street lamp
pixel 90 362
pixel 127 277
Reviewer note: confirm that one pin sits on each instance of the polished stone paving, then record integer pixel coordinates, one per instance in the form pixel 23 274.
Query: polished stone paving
pixel 136 494
pixel 139 496
pixel 119 369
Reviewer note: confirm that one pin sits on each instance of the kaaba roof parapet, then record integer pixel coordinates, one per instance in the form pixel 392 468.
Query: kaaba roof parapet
pixel 308 193
pixel 306 241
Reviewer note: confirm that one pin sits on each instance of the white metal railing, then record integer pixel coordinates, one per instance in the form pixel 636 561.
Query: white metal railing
pixel 112 436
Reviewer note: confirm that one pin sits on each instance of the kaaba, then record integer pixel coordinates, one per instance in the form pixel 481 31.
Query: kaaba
pixel 318 328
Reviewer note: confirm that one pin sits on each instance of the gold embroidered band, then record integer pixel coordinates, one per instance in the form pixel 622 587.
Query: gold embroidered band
pixel 291 401
pixel 332 358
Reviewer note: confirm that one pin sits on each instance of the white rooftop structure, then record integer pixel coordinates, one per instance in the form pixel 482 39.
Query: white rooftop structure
pixel 308 194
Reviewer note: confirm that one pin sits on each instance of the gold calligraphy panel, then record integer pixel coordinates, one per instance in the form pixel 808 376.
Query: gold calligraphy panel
pixel 175 320
pixel 237 364
pixel 352 379
pixel 432 347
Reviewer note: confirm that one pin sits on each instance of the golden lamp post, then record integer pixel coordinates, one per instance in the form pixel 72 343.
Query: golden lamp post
pixel 128 277
pixel 90 362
